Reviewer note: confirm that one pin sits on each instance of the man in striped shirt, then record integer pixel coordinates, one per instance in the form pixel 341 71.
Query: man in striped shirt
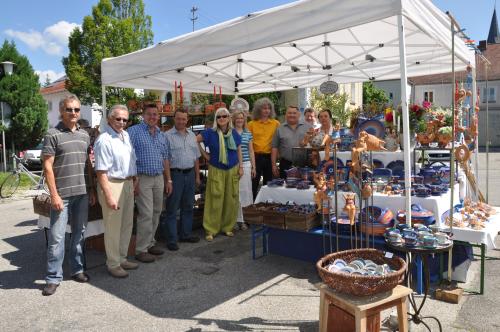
pixel 65 156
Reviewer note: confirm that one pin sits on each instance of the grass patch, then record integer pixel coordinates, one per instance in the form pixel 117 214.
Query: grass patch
pixel 25 182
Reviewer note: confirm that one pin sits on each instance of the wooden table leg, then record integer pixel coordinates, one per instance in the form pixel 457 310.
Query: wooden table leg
pixel 323 312
pixel 360 319
pixel 402 315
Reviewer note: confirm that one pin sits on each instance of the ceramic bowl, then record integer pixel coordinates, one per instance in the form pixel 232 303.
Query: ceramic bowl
pixel 429 241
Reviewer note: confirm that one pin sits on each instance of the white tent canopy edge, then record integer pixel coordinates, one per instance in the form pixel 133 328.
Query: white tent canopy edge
pixel 296 45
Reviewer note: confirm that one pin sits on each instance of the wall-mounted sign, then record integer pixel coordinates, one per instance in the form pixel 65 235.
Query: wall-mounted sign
pixel 329 87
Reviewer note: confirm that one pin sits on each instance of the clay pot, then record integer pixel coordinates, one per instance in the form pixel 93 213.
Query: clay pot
pixel 443 140
pixel 424 138
pixel 167 108
pixel 366 192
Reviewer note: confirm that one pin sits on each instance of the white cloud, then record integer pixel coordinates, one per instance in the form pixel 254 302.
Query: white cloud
pixel 60 31
pixel 50 73
pixel 33 38
pixel 53 40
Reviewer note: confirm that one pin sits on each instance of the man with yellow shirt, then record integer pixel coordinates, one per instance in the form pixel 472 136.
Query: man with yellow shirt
pixel 262 127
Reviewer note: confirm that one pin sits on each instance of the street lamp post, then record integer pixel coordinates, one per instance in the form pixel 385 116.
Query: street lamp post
pixel 8 67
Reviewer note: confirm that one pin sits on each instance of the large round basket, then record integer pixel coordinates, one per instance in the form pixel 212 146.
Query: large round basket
pixel 362 285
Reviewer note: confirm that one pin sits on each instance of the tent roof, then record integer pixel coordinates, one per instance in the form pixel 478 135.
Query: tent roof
pixel 297 45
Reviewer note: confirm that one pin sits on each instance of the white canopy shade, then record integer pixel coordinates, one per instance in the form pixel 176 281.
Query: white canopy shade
pixel 297 45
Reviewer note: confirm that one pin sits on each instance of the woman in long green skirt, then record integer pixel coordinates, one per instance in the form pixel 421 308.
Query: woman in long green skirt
pixel 224 172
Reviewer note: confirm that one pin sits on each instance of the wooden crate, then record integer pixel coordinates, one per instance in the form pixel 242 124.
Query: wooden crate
pixel 97 243
pixel 273 218
pixel 254 214
pixel 302 222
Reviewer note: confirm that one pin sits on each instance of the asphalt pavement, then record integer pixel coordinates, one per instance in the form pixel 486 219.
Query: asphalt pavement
pixel 202 287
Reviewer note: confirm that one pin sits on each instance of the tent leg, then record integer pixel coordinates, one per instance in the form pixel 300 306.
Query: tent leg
pixel 406 120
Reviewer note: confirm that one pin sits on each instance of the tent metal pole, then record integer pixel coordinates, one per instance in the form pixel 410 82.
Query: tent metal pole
pixel 472 112
pixel 406 118
pixel 486 96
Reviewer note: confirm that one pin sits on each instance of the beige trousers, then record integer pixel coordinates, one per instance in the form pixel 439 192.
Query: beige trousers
pixel 149 206
pixel 117 223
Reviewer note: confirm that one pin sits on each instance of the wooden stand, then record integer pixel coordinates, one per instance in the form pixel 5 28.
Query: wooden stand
pixel 363 313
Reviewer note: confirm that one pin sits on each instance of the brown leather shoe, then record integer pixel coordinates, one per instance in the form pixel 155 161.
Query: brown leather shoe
pixel 118 272
pixel 81 277
pixel 127 265
pixel 145 257
pixel 155 250
pixel 50 289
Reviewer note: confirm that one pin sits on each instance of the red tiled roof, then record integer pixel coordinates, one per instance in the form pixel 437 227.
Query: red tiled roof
pixel 492 53
pixel 57 86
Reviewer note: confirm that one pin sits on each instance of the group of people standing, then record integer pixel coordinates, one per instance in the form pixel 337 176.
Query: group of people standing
pixel 144 165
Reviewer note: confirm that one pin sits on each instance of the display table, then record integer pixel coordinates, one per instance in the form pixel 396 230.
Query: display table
pixel 413 256
pixel 437 204
pixel 361 308
pixel 484 236
pixel 94 227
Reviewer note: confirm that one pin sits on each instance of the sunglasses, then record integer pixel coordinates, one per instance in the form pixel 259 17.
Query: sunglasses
pixel 222 116
pixel 71 110
pixel 124 120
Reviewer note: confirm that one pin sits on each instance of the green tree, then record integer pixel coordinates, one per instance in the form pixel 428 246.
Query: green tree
pixel 47 81
pixel 21 91
pixel 336 103
pixel 373 95
pixel 116 27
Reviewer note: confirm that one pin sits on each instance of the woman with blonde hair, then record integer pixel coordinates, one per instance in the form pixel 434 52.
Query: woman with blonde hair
pixel 248 158
pixel 224 172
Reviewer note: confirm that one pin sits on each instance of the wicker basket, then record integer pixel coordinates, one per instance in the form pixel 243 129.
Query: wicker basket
pixel 362 285
pixel 41 205
pixel 301 222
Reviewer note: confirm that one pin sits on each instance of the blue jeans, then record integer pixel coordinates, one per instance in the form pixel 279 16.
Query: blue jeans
pixel 75 212
pixel 182 197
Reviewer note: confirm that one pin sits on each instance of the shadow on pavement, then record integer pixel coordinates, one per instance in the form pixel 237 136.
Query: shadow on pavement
pixel 188 284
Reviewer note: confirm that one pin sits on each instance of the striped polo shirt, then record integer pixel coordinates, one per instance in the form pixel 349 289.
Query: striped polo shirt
pixel 70 151
pixel 246 138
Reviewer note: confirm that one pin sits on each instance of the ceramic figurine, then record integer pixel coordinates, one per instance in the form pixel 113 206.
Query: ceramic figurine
pixel 366 192
pixel 391 140
pixel 350 206
pixel 359 147
pixel 373 143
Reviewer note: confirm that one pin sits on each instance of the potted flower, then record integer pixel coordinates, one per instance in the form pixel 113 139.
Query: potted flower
pixel 424 135
pixel 416 113
pixel 444 136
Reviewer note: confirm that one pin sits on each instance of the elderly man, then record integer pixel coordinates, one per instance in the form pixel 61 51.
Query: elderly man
pixel 116 174
pixel 185 172
pixel 65 156
pixel 287 136
pixel 154 177
pixel 262 127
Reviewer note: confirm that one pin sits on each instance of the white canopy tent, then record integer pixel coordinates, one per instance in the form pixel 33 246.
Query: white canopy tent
pixel 300 45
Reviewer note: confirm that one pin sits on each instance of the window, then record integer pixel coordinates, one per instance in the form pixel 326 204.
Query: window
pixel 353 93
pixel 429 96
pixel 491 93
pixel 49 105
pixel 391 96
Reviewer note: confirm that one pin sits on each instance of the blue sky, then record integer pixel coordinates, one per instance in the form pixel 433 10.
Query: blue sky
pixel 40 28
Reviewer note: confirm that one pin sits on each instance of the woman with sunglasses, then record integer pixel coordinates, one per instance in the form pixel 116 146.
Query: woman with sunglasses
pixel 224 172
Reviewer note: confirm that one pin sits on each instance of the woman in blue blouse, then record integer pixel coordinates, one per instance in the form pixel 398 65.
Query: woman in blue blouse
pixel 224 172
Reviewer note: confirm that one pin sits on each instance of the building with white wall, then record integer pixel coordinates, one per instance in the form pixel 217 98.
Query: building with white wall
pixel 54 93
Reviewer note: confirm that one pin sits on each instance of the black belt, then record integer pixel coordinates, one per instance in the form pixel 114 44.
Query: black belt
pixel 186 170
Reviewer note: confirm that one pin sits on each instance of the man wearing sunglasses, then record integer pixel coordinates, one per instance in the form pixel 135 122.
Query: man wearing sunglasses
pixel 116 173
pixel 154 177
pixel 65 157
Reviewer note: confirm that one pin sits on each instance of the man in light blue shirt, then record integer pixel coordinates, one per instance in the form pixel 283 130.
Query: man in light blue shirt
pixel 185 172
pixel 115 166
pixel 154 177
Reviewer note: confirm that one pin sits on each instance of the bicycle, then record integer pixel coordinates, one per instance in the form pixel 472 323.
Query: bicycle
pixel 11 182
